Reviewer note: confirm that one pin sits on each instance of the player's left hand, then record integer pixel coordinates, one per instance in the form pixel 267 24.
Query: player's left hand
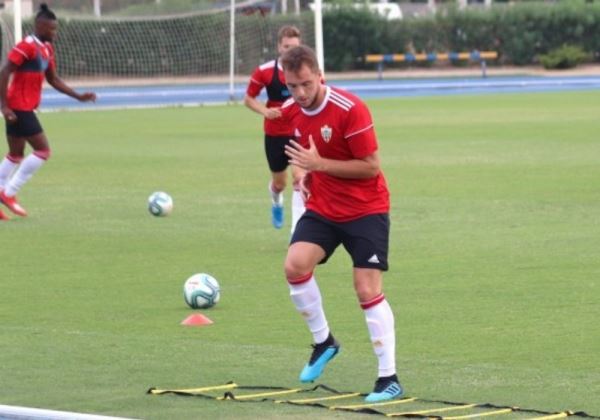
pixel 87 97
pixel 9 115
pixel 307 159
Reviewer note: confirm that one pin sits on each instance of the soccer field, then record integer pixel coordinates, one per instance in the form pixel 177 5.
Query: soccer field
pixel 494 261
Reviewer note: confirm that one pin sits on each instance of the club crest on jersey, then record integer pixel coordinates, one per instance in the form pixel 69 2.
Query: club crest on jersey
pixel 326 133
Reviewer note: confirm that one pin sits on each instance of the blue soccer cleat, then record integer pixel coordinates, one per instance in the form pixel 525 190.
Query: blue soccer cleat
pixel 321 355
pixel 386 389
pixel 277 216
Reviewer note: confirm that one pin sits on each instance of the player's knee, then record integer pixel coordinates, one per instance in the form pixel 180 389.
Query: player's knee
pixel 296 273
pixel 15 157
pixel 278 185
pixel 366 292
pixel 42 154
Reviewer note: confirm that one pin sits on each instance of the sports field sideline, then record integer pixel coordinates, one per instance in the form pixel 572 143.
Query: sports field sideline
pixel 194 94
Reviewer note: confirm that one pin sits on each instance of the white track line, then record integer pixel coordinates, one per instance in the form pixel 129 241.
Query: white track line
pixel 27 413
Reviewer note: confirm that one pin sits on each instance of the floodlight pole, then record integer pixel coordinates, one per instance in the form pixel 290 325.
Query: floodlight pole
pixel 232 51
pixel 18 21
pixel 319 35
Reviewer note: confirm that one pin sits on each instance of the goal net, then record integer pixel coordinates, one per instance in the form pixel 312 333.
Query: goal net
pixel 192 44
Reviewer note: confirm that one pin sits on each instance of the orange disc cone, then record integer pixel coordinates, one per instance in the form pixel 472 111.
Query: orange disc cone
pixel 196 319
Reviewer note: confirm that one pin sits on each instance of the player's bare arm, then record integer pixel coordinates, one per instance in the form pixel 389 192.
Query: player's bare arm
pixel 310 160
pixel 5 73
pixel 58 84
pixel 260 108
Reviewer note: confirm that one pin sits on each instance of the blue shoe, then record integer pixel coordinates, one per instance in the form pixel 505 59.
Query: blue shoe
pixel 321 355
pixel 277 216
pixel 386 389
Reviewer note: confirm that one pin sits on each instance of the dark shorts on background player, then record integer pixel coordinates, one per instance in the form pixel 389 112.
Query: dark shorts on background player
pixel 275 151
pixel 27 125
pixel 366 239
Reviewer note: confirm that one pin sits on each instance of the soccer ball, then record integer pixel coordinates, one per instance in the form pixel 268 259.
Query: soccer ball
pixel 201 291
pixel 160 204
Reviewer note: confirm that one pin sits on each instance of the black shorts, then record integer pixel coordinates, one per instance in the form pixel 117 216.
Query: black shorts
pixel 366 239
pixel 275 151
pixel 27 125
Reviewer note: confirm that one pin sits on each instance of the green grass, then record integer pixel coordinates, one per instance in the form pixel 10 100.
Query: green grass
pixel 494 261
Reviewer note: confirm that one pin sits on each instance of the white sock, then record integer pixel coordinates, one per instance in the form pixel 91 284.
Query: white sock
pixel 28 167
pixel 380 321
pixel 307 299
pixel 7 167
pixel 297 208
pixel 276 197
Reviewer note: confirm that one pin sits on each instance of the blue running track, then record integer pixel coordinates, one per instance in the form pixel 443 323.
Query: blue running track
pixel 208 94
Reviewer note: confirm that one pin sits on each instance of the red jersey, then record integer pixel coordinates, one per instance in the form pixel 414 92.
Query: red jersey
pixel 342 129
pixel 32 57
pixel 266 76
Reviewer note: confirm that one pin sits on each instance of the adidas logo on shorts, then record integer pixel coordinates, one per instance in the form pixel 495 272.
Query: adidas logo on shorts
pixel 374 259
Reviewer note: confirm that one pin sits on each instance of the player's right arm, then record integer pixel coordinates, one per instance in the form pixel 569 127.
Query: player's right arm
pixel 260 108
pixel 255 86
pixel 5 73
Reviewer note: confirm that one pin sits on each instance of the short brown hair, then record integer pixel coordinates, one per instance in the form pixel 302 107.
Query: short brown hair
pixel 288 31
pixel 294 58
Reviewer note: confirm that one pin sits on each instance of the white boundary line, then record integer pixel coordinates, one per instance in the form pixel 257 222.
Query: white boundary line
pixel 138 106
pixel 27 413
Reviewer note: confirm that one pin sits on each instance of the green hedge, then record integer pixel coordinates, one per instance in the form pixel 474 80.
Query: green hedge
pixel 519 32
pixel 565 57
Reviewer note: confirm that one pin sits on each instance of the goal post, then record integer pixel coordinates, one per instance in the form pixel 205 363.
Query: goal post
pixel 319 34
pixel 232 51
pixel 17 20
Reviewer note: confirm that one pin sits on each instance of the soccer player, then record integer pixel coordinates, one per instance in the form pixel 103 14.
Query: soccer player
pixel 29 62
pixel 277 133
pixel 347 202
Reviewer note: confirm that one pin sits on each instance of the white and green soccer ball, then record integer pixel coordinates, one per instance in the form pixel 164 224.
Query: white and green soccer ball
pixel 160 204
pixel 201 291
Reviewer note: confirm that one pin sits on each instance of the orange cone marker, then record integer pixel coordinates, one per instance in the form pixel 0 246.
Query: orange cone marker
pixel 196 319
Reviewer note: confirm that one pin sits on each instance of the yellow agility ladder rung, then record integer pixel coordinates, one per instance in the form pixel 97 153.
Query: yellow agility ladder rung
pixel 334 397
pixel 484 414
pixel 352 407
pixel 554 416
pixel 263 394
pixel 195 390
pixel 433 410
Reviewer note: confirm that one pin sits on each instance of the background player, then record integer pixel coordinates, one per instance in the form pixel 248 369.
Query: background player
pixel 29 62
pixel 347 203
pixel 277 133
